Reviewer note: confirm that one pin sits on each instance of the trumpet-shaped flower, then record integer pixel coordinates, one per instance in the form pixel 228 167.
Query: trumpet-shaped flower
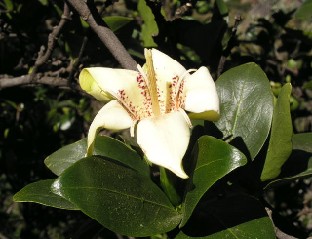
pixel 156 103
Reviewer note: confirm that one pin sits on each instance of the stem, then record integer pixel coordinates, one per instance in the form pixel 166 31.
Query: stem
pixel 88 12
pixel 168 184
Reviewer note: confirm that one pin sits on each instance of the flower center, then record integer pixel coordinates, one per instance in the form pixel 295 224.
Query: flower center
pixel 161 94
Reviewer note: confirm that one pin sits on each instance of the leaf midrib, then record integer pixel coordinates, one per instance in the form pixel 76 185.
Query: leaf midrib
pixel 241 93
pixel 207 164
pixel 120 193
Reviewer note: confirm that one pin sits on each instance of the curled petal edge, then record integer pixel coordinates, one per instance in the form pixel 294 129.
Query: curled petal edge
pixel 111 116
pixel 89 84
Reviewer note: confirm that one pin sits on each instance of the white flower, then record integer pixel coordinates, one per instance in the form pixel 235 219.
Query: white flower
pixel 156 101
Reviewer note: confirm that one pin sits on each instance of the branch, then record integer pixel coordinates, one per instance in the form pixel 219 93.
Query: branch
pixel 279 234
pixel 105 35
pixel 37 79
pixel 108 38
pixel 44 56
pixel 76 64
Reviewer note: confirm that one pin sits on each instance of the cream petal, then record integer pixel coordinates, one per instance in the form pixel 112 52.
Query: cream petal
pixel 111 116
pixel 164 140
pixel 165 66
pixel 201 97
pixel 169 73
pixel 127 86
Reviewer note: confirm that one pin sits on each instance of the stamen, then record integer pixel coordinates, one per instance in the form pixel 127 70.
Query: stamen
pixel 152 82
pixel 170 99
pixel 140 69
pixel 132 128
pixel 179 87
pixel 187 119
pixel 181 78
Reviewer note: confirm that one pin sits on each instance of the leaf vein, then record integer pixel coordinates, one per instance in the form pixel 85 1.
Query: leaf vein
pixel 123 194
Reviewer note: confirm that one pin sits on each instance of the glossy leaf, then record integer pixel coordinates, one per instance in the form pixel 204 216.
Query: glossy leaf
pixel 215 159
pixel 246 104
pixel 230 215
pixel 280 145
pixel 104 146
pixel 302 142
pixel 66 156
pixel 149 26
pixel 116 22
pixel 40 192
pixel 117 197
pixel 299 164
pixel 258 228
pixel 117 150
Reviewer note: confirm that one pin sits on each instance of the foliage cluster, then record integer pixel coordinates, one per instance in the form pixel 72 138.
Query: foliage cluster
pixel 36 120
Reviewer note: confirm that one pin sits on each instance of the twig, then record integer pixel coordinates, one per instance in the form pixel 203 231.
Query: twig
pixel 108 38
pixel 279 234
pixel 36 79
pixel 77 61
pixel 43 54
pixel 231 43
pixel 75 65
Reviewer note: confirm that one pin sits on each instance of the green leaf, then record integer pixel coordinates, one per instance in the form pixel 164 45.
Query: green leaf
pixel 222 7
pixel 168 184
pixel 280 145
pixel 66 156
pixel 117 197
pixel 307 85
pixel 149 25
pixel 232 216
pixel 246 107
pixel 215 159
pixel 299 164
pixel 40 192
pixel 304 12
pixel 116 22
pixel 306 168
pixel 104 146
pixel 306 173
pixel 258 228
pixel 9 5
pixel 117 150
pixel 303 142
pixel 44 2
